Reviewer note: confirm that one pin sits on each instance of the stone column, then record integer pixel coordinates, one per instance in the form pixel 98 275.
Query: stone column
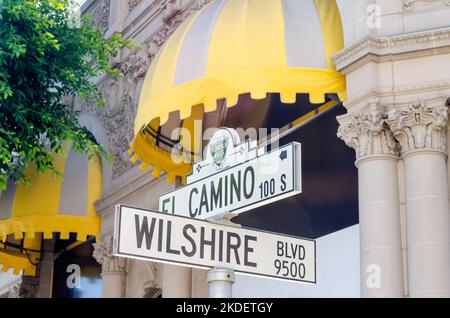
pixel 379 210
pixel 421 130
pixel 114 270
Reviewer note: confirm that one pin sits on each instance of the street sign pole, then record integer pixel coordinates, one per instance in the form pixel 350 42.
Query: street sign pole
pixel 220 283
pixel 221 280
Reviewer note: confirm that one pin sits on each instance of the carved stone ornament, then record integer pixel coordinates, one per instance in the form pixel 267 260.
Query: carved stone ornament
pixel 152 292
pixel 420 126
pixel 29 287
pixel 170 9
pixel 367 133
pixel 133 4
pixel 103 255
pixel 148 276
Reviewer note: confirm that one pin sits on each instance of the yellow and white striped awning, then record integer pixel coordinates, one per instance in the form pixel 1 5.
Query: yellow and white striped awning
pixel 50 205
pixel 233 47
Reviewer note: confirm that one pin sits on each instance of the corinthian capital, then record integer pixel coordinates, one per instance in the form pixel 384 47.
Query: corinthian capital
pixel 103 255
pixel 367 133
pixel 420 126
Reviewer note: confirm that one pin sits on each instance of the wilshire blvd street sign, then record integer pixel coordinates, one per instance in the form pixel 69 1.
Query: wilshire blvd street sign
pixel 167 238
pixel 235 177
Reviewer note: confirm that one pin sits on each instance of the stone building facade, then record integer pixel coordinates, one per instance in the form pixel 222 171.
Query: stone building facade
pixel 397 64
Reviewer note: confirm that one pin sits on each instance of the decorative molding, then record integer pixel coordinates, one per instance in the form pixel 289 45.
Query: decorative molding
pixel 410 5
pixel 395 48
pixel 396 128
pixel 394 57
pixel 117 117
pixel 14 291
pixel 148 275
pixel 122 94
pixel 140 19
pixel 367 133
pixel 103 255
pixel 421 125
pixel 173 15
pixel 133 4
pixel 389 95
pixel 170 9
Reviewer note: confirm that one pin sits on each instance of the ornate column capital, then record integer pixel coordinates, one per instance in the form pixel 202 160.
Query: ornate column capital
pixel 367 133
pixel 103 255
pixel 100 15
pixel 420 126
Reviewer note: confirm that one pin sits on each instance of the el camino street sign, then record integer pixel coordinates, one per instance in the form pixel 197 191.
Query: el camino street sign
pixel 167 238
pixel 234 178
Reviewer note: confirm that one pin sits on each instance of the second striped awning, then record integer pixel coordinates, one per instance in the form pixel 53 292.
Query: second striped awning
pixel 50 205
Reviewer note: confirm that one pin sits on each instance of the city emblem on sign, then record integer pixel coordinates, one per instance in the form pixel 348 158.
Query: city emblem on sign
pixel 219 150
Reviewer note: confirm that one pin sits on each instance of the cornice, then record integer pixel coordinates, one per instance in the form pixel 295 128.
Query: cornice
pixel 144 18
pixel 434 87
pixel 400 47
